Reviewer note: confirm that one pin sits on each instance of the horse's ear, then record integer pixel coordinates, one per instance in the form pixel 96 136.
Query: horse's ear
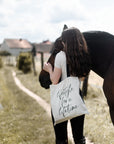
pixel 65 27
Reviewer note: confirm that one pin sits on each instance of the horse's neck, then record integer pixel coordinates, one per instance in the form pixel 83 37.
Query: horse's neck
pixel 101 47
pixel 101 57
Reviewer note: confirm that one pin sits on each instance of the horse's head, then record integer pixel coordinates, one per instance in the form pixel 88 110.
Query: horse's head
pixel 44 77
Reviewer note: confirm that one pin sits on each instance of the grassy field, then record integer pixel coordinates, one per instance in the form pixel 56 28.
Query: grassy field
pixel 23 121
pixel 98 126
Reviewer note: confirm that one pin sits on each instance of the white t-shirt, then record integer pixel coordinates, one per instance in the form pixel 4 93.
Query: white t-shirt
pixel 60 62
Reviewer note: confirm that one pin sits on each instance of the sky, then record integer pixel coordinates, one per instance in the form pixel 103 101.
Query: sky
pixel 39 20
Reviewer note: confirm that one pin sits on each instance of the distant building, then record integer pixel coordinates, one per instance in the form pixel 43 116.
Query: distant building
pixel 44 47
pixel 15 46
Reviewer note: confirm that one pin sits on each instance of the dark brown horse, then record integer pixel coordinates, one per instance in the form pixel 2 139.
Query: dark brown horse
pixel 101 48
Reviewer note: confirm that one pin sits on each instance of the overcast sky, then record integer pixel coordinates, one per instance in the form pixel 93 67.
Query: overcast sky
pixel 38 20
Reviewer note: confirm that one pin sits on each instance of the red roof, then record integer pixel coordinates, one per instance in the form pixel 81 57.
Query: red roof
pixel 43 47
pixel 18 43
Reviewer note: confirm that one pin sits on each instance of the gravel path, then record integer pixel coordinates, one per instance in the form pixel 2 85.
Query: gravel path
pixel 42 103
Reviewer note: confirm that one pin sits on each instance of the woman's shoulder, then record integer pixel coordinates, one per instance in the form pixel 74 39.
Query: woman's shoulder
pixel 61 53
pixel 61 56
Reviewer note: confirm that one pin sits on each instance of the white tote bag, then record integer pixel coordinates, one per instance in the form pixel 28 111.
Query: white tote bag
pixel 66 102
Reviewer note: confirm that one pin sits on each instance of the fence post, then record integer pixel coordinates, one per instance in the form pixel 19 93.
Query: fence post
pixel 42 59
pixel 33 55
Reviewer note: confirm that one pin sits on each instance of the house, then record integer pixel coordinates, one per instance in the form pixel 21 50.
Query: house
pixel 44 47
pixel 15 46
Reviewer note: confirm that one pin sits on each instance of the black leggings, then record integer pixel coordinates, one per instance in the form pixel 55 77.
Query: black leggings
pixel 77 125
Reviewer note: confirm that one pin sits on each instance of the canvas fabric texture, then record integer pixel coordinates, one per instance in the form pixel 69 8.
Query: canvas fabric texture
pixel 66 102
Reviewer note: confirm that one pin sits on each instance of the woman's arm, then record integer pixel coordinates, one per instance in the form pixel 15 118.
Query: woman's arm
pixel 54 74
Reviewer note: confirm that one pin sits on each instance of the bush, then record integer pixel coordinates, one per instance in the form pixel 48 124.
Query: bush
pixel 24 62
pixel 4 53
pixel 1 64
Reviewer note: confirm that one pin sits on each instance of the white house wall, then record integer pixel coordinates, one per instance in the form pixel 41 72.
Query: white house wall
pixel 13 51
pixel 4 47
pixel 17 51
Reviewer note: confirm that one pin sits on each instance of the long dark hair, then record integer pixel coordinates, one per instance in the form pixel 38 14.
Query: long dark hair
pixel 76 50
pixel 57 46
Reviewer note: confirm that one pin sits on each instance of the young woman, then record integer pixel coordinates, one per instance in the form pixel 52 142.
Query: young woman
pixel 72 60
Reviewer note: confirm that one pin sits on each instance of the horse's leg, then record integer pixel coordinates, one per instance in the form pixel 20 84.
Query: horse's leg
pixel 108 88
pixel 85 86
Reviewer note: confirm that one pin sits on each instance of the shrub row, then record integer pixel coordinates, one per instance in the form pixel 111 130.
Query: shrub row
pixel 4 53
pixel 24 62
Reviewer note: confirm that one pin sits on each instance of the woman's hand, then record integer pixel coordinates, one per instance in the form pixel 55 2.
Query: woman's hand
pixel 82 78
pixel 47 67
pixel 54 74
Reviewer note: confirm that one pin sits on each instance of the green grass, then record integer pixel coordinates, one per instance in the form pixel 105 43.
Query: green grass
pixel 98 125
pixel 31 82
pixel 22 120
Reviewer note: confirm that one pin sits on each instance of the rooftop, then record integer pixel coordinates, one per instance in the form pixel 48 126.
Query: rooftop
pixel 18 43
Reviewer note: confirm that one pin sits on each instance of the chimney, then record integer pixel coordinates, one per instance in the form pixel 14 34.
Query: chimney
pixel 20 39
